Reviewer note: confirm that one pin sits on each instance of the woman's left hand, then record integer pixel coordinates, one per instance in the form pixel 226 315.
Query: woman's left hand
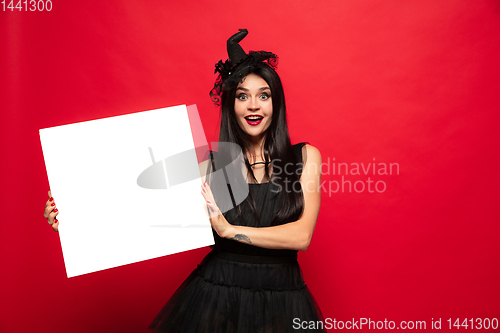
pixel 217 220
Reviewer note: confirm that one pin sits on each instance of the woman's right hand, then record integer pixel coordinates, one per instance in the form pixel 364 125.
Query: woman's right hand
pixel 51 212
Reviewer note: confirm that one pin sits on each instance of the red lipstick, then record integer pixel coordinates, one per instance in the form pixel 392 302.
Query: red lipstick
pixel 254 120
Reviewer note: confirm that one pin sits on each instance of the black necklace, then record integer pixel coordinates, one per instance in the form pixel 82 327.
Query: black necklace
pixel 259 163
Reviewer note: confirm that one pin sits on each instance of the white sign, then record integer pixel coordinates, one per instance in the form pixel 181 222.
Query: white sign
pixel 109 218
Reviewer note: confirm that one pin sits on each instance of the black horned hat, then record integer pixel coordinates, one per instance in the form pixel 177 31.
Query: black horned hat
pixel 232 71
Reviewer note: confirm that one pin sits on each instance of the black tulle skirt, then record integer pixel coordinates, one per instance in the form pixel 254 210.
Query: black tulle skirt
pixel 234 293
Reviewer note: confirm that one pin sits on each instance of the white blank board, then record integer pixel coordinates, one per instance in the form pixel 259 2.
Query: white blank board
pixel 106 219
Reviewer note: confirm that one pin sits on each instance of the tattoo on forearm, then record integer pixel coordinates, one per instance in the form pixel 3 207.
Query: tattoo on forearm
pixel 241 237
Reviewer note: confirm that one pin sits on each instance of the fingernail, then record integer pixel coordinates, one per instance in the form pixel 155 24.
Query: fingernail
pixel 208 201
pixel 53 204
pixel 55 210
pixel 51 199
pixel 56 221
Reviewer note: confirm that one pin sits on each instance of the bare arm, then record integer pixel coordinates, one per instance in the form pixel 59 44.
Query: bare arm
pixel 294 235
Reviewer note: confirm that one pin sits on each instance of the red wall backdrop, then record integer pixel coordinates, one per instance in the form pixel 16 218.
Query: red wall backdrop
pixel 413 83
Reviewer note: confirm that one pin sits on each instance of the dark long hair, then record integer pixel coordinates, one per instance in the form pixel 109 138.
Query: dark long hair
pixel 277 147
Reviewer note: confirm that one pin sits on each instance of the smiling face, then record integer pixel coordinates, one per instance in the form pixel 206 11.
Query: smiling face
pixel 253 106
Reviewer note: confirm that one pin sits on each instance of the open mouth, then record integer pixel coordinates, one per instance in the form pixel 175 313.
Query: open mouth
pixel 254 120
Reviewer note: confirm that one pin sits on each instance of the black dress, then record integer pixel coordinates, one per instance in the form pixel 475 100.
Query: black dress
pixel 241 288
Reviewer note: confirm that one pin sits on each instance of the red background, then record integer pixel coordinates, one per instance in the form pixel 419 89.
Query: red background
pixel 408 82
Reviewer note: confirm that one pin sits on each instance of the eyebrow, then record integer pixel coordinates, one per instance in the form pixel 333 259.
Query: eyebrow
pixel 261 89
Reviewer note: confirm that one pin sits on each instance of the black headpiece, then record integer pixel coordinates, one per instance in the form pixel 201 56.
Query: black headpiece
pixel 232 71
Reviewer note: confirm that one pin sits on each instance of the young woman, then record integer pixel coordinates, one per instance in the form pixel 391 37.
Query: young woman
pixel 251 280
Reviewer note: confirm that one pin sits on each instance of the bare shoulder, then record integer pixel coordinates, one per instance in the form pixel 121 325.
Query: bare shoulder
pixel 311 176
pixel 312 154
